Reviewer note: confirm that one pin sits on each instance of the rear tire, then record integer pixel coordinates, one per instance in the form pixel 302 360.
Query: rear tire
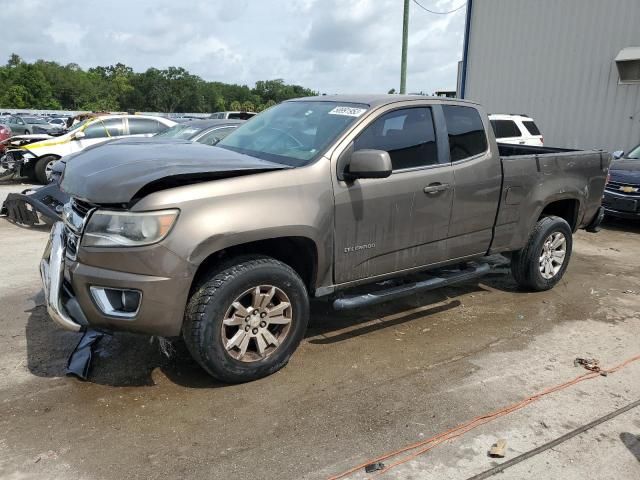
pixel 40 170
pixel 542 262
pixel 239 334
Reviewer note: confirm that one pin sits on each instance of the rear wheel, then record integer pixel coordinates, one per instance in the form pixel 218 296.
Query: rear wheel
pixel 43 167
pixel 247 319
pixel 542 262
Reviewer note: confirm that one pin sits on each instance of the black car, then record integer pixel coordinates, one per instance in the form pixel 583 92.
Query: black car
pixel 622 192
pixel 44 205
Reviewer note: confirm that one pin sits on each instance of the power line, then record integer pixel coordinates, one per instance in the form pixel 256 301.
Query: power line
pixel 438 13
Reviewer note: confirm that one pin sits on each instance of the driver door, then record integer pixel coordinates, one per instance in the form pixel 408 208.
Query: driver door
pixel 400 222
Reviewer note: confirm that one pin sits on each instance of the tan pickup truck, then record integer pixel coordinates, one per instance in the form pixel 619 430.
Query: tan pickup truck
pixel 226 245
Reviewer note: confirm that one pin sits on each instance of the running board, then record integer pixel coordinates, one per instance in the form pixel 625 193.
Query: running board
pixel 437 280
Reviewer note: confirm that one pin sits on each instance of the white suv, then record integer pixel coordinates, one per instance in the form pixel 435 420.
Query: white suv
pixel 518 129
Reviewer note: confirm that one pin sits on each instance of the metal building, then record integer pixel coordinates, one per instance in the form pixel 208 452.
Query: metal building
pixel 570 64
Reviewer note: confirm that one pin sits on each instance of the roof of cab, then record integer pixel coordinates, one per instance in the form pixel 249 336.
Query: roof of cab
pixel 377 100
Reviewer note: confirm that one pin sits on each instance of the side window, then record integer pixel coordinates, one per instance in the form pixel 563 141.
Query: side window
pixel 141 126
pixel 214 136
pixel 505 128
pixel 466 132
pixel 161 127
pixel 407 134
pixel 95 130
pixel 532 127
pixel 114 127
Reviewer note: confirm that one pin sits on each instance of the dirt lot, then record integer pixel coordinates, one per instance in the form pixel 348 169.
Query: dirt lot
pixel 361 384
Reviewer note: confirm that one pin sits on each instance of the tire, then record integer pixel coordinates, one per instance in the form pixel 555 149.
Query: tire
pixel 40 170
pixel 207 335
pixel 536 267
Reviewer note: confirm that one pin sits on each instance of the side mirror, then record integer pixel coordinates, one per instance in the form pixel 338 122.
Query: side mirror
pixel 369 164
pixel 79 135
pixel 618 154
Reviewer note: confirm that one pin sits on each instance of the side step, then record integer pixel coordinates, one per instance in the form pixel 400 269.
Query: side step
pixel 438 279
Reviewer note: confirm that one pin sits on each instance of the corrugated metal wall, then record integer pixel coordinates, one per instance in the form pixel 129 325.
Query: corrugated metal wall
pixel 554 59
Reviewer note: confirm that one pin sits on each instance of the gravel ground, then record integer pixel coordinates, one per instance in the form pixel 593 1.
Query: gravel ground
pixel 362 384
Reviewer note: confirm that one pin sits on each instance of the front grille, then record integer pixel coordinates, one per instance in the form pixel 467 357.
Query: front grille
pixel 617 187
pixel 74 224
pixel 80 207
pixel 72 243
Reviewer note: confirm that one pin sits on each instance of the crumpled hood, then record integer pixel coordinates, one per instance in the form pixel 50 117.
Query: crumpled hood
pixel 115 171
pixel 625 170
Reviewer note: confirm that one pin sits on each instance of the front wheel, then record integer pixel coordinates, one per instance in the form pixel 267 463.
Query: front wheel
pixel 247 319
pixel 43 168
pixel 542 262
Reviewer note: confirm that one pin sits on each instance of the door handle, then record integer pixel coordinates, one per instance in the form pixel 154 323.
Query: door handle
pixel 435 188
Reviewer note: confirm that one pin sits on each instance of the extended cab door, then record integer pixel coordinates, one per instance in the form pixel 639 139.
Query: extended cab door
pixel 478 177
pixel 387 225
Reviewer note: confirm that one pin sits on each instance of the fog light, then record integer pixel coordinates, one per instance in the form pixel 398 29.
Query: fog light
pixel 117 302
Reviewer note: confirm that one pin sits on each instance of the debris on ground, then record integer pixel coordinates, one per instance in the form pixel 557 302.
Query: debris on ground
pixel 592 364
pixel 166 346
pixel 498 449
pixel 79 362
pixel 374 467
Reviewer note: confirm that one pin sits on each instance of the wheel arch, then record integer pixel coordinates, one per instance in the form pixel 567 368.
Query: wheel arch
pixel 567 208
pixel 299 252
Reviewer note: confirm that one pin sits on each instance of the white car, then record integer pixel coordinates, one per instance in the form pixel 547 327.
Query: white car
pixel 518 129
pixel 37 158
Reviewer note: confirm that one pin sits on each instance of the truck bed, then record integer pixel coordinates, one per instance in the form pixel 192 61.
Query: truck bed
pixel 537 179
pixel 511 150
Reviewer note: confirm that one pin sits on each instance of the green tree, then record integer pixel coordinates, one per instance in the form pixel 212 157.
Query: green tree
pixel 15 97
pixel 45 84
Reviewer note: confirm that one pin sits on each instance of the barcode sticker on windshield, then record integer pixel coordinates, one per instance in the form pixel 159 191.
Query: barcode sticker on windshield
pixel 348 111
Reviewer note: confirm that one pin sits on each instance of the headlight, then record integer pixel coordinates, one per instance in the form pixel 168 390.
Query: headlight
pixel 127 229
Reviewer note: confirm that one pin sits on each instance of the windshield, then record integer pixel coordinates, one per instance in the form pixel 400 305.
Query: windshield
pixel 635 153
pixel 293 133
pixel 33 120
pixel 182 130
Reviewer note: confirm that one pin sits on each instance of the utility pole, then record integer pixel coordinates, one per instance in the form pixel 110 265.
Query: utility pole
pixel 405 35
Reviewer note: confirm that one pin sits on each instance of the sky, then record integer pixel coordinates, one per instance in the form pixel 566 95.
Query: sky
pixel 331 46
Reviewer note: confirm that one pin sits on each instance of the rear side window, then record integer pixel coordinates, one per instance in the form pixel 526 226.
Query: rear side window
pixel 141 126
pixel 407 135
pixel 531 127
pixel 505 128
pixel 467 137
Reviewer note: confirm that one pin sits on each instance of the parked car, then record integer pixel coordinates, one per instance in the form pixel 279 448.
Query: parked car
pixel 232 115
pixel 207 131
pixel 58 122
pixel 44 205
pixel 225 245
pixel 28 125
pixel 517 129
pixel 36 159
pixel 622 192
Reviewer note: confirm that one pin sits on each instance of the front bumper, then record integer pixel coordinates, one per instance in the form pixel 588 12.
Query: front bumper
pixel 35 207
pixel 621 205
pixel 68 286
pixel 52 273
